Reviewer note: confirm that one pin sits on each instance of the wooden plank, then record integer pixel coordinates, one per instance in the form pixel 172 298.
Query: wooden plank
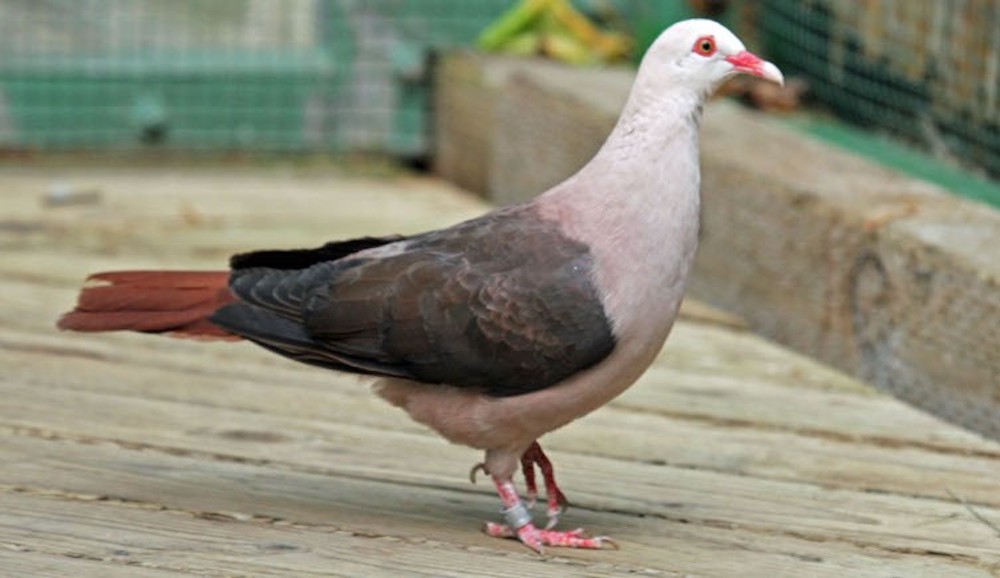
pixel 471 113
pixel 386 454
pixel 130 535
pixel 708 368
pixel 814 455
pixel 518 169
pixel 207 214
pixel 888 278
pixel 690 384
pixel 861 443
pixel 440 520
pixel 731 457
pixel 880 275
pixel 16 560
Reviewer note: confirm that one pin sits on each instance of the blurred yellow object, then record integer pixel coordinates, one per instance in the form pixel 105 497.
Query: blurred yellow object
pixel 553 28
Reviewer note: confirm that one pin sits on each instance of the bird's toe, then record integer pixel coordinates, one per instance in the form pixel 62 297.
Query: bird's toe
pixel 537 539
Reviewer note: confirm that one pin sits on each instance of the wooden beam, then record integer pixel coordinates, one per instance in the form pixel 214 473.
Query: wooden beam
pixel 732 456
pixel 886 277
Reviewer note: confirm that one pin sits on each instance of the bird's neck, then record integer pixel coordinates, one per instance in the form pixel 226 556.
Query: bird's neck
pixel 636 204
pixel 647 166
pixel 651 126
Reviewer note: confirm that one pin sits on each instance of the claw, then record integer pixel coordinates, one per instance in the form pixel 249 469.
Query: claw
pixel 519 525
pixel 480 467
pixel 537 539
pixel 557 502
pixel 495 530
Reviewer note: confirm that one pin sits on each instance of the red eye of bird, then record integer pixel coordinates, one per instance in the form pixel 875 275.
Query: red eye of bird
pixel 705 46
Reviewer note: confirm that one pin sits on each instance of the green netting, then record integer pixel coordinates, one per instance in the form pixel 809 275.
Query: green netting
pixel 924 70
pixel 353 74
pixel 225 74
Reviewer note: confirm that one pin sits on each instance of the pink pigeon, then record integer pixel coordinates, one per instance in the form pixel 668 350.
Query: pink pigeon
pixel 498 330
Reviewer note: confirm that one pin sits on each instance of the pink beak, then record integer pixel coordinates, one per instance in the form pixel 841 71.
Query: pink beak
pixel 750 63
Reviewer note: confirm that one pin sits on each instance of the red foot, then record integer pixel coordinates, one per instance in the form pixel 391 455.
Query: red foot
pixel 557 502
pixel 520 526
pixel 537 539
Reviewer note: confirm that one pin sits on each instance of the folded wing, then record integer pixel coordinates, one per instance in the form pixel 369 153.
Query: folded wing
pixel 504 303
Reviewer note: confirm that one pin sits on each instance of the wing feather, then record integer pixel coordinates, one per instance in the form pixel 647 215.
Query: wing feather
pixel 505 303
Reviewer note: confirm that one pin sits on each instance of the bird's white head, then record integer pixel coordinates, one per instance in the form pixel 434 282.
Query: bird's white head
pixel 700 54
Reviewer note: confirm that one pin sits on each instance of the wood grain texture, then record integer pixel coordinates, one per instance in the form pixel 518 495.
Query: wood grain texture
pixel 464 104
pixel 137 455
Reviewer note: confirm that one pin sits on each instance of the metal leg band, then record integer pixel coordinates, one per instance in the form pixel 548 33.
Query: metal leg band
pixel 517 516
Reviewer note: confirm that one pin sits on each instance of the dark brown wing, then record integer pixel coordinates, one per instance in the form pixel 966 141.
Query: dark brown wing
pixel 504 303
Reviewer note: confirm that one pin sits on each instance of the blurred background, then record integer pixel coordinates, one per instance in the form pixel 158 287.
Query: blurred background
pixel 171 134
pixel 355 75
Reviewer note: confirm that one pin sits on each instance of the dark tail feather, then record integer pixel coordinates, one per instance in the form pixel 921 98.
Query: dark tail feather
pixel 174 302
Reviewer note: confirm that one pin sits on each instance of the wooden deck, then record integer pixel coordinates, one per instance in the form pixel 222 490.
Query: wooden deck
pixel 142 456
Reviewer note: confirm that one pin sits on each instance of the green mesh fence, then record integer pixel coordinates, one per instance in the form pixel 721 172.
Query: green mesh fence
pixel 294 75
pixel 225 74
pixel 927 71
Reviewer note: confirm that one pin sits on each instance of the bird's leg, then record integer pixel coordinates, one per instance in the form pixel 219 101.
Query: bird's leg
pixel 528 469
pixel 520 526
pixel 557 502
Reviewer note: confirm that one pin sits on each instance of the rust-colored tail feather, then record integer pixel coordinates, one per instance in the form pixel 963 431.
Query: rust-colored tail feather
pixel 175 302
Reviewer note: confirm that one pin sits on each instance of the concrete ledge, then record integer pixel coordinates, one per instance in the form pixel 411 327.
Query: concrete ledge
pixel 878 274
